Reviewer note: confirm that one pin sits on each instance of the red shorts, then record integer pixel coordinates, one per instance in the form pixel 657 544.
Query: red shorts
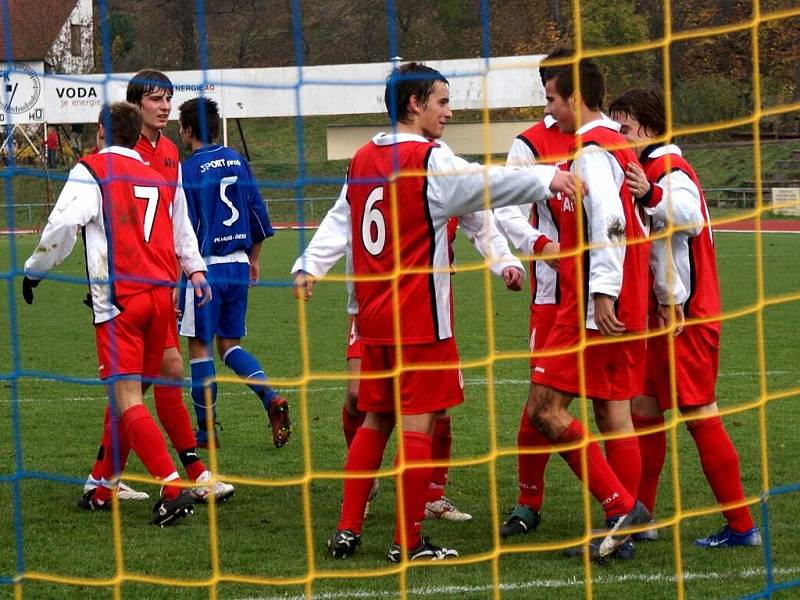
pixel 542 318
pixel 133 342
pixel 421 391
pixel 696 366
pixel 613 371
pixel 353 341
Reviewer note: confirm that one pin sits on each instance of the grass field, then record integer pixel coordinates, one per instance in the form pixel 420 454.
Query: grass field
pixel 264 542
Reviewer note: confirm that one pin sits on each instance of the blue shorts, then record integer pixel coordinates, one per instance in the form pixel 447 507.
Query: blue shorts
pixel 225 315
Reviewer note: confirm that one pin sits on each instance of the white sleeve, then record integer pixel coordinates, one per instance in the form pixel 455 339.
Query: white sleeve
pixel 456 187
pixel 79 202
pixel 329 242
pixel 514 222
pixel 182 233
pixel 667 284
pixel 605 220
pixel 680 204
pixel 480 229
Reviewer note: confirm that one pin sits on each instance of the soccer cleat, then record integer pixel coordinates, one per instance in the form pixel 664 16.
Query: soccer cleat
pixel 167 512
pixel 278 412
pixel 124 492
pixel 625 551
pixel 343 544
pixel 523 519
pixel 220 490
pixel 648 535
pixel 728 538
pixel 425 551
pixel 373 493
pixel 615 529
pixel 444 509
pixel 91 504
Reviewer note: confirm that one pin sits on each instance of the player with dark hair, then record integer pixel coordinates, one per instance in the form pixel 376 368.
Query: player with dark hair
pixel 123 208
pixel 685 284
pixel 152 92
pixel 603 291
pixel 533 230
pixel 230 221
pixel 410 168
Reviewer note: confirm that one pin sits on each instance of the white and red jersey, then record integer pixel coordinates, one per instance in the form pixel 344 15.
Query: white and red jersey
pixel 123 207
pixel 530 226
pixel 163 158
pixel 677 199
pixel 433 185
pixel 615 263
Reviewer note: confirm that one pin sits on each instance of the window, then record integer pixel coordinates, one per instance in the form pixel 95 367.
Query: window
pixel 75 39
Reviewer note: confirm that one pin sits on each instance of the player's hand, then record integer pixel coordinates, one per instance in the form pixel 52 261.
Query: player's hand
pixel 636 181
pixel 175 301
pixel 605 317
pixel 201 287
pixel 255 272
pixel 303 285
pixel 664 318
pixel 27 289
pixel 551 249
pixel 513 278
pixel 567 184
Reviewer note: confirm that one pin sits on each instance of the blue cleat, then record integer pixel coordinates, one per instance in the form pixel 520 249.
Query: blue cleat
pixel 728 538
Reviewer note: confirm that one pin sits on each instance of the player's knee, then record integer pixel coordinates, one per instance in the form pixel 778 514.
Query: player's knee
pixel 172 365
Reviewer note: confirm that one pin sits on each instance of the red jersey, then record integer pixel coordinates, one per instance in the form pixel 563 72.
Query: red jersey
pixel 163 157
pixel 137 224
pixel 694 256
pixel 631 303
pixel 373 223
pixel 548 146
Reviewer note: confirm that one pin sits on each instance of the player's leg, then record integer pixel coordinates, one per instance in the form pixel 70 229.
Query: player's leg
pixel 720 463
pixel 437 505
pixel 646 415
pixel 622 453
pixel 352 418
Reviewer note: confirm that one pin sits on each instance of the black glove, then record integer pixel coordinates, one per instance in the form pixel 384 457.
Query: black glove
pixel 88 300
pixel 27 289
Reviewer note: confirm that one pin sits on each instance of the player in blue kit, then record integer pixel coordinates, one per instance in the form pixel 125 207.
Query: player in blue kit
pixel 230 220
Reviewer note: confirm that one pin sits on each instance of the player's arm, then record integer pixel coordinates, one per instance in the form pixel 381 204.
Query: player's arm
pixel 480 229
pixel 605 223
pixel 673 199
pixel 186 248
pixel 79 202
pixel 456 187
pixel 326 247
pixel 260 225
pixel 667 285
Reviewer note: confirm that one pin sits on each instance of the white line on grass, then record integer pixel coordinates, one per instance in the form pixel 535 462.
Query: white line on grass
pixel 536 583
pixel 470 381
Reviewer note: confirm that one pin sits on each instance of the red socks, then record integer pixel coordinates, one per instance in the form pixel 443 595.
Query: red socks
pixel 442 444
pixel 149 445
pixel 721 466
pixel 106 449
pixel 653 448
pixel 625 460
pixel 365 454
pixel 176 422
pixel 601 481
pixel 418 447
pixel 350 424
pixel 530 467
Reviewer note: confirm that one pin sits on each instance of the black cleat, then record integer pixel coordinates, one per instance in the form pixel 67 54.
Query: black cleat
pixel 343 544
pixel 167 512
pixel 523 519
pixel 616 527
pixel 91 504
pixel 425 551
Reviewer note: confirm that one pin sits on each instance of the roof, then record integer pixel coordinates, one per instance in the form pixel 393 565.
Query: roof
pixel 34 27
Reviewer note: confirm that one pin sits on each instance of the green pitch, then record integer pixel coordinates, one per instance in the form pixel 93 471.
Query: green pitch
pixel 261 532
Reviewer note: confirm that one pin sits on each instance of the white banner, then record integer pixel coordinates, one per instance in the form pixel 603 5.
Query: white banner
pixel 502 82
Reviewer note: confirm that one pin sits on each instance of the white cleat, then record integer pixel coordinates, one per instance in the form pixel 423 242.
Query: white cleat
pixel 124 492
pixel 444 509
pixel 221 490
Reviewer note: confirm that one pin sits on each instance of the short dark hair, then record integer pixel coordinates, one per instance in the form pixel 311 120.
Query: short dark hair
pixel 546 70
pixel 410 79
pixel 122 122
pixel 646 105
pixel 144 82
pixel 201 115
pixel 592 82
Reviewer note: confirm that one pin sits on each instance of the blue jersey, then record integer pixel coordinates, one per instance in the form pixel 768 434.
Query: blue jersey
pixel 225 206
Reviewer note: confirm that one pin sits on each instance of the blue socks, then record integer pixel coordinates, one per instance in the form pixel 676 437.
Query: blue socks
pixel 203 370
pixel 246 366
